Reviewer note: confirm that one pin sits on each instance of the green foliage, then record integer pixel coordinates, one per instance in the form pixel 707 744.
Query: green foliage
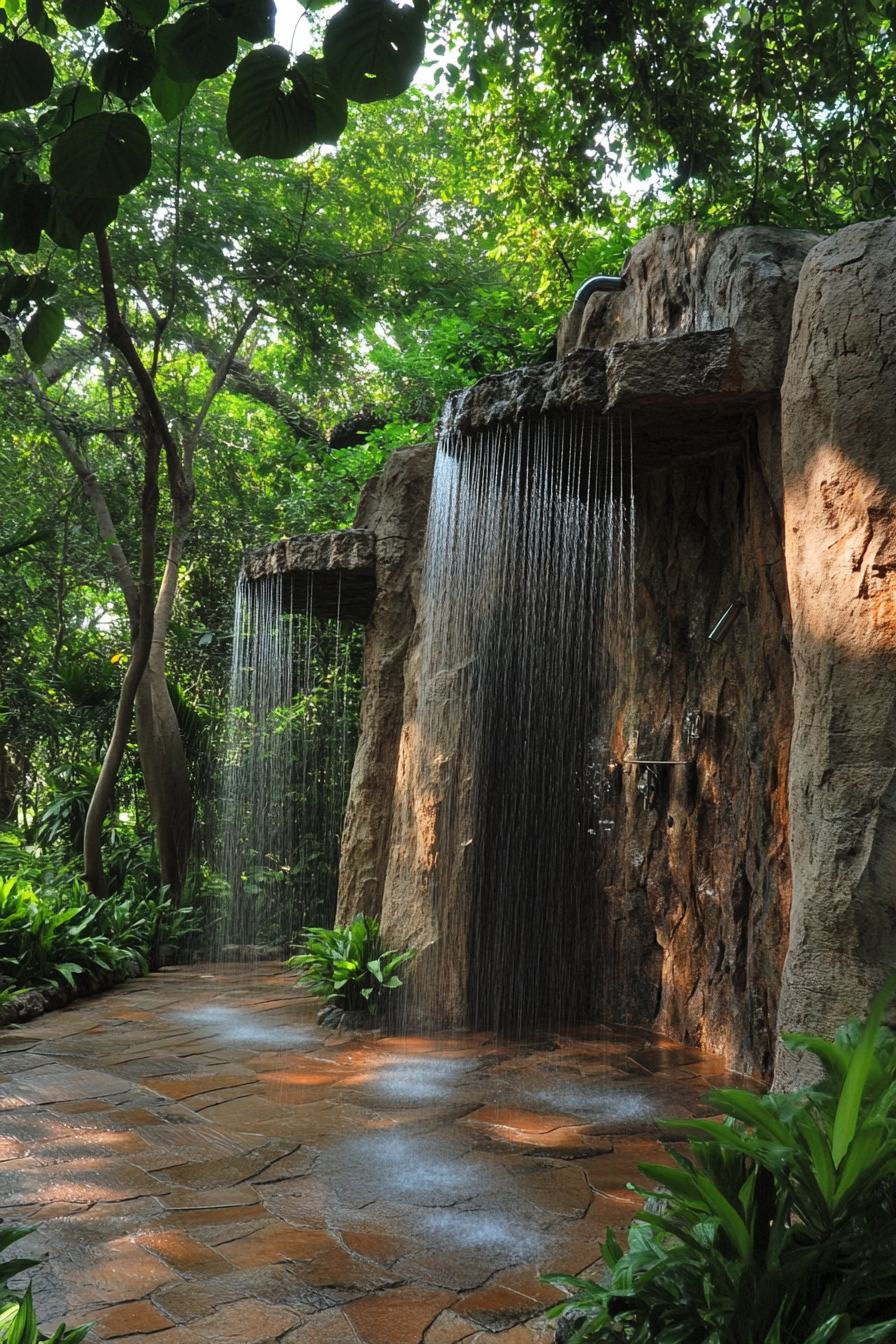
pixel 18 1323
pixel 780 1228
pixel 349 967
pixel 52 929
pixel 763 112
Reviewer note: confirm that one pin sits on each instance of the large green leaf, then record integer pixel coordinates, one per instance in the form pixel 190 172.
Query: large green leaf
pixel 373 49
pixel 73 216
pixel 26 74
pixel 107 154
pixel 24 219
pixel 148 13
pixel 83 13
pixel 252 20
pixel 39 19
pixel 170 96
pixel 261 118
pixel 127 73
pixel 43 331
pixel 201 45
pixel 330 108
pixel 860 1066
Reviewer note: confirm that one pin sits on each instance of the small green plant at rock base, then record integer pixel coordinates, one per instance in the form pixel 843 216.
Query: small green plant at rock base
pixel 349 967
pixel 780 1228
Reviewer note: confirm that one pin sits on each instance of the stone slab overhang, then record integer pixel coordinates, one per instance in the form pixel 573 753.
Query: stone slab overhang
pixel 331 575
pixel 679 396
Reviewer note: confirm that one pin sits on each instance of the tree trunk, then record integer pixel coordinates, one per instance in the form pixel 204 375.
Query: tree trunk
pixel 165 774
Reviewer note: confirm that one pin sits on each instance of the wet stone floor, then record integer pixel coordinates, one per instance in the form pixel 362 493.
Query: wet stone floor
pixel 202 1162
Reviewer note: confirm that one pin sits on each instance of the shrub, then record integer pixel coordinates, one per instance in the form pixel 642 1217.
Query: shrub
pixel 780 1228
pixel 348 967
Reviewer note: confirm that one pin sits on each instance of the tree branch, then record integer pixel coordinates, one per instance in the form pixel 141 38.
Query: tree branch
pixel 90 485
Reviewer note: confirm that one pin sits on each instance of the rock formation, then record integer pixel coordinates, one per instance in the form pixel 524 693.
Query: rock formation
pixel 394 507
pixel 839 466
pixel 733 773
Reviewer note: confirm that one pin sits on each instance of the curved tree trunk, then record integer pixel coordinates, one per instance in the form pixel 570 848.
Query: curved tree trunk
pixel 165 774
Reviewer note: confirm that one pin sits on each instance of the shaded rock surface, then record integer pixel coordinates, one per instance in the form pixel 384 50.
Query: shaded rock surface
pixel 694 887
pixel 692 892
pixel 393 506
pixel 681 280
pixel 838 405
pixel 328 574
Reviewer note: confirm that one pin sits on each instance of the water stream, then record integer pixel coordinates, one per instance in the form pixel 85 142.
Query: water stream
pixel 528 590
pixel 290 739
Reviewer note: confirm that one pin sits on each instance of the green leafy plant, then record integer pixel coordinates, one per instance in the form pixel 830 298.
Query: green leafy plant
pixel 348 966
pixel 779 1228
pixel 18 1322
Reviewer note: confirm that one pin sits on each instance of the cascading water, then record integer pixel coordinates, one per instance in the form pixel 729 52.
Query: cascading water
pixel 528 584
pixel 290 739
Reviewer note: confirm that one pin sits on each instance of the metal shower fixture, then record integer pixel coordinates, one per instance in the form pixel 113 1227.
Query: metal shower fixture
pixel 647 786
pixel 723 625
pixel 693 726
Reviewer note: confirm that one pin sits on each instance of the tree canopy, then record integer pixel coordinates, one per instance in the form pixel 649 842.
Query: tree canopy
pixel 771 111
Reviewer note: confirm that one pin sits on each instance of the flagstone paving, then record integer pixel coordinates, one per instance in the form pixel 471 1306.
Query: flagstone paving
pixel 202 1162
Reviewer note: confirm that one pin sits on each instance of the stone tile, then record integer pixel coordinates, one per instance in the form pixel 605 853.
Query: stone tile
pixel 131 1318
pixel 525 1280
pixel 526 1122
pixel 324 1327
pixel 337 1269
pixel 285 1168
pixel 216 1225
pixel 175 1335
pixel 378 1246
pixel 186 1301
pixel 397 1315
pixel 60 1082
pixel 115 1272
pixel 278 1241
pixel 212 1175
pixel 449 1328
pixel 247 1322
pixel 87 1144
pixel 184 1254
pixel 179 1088
pixel 90 1107
pixel 83 1181
pixel 496 1307
pixel 230 1197
pixel 563 1190
pixel 251 1115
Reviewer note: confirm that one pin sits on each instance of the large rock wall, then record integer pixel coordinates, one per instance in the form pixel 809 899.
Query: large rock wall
pixel 694 890
pixel 681 280
pixel 839 461
pixel 394 506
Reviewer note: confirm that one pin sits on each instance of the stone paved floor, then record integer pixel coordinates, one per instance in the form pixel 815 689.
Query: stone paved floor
pixel 206 1164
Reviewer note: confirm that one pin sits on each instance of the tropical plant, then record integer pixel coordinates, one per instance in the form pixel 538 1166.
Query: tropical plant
pixel 779 1228
pixel 348 966
pixel 18 1322
pixel 56 934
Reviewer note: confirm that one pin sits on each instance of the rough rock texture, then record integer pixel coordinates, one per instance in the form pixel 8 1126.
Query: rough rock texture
pixel 427 887
pixel 681 280
pixel 694 890
pixel 662 386
pixel 839 425
pixel 691 926
pixel 394 507
pixel 329 573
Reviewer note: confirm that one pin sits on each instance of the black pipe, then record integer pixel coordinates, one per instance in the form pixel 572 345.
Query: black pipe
pixel 598 284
